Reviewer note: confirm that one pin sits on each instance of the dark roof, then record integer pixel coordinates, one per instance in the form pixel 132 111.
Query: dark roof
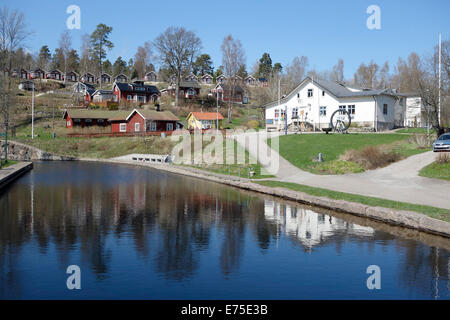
pixel 90 91
pixel 227 88
pixel 337 89
pixel 131 87
pixel 96 114
pixel 157 115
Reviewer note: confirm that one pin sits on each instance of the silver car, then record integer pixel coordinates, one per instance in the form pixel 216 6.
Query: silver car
pixel 442 143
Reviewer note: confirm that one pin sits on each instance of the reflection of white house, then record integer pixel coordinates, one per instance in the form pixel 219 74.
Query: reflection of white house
pixel 313 102
pixel 411 110
pixel 307 226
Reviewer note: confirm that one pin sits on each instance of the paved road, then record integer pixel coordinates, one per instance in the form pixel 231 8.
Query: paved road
pixel 399 181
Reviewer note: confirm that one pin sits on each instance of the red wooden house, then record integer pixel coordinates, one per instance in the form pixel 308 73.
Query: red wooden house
pixel 226 93
pixel 136 92
pixel 24 74
pixel 37 74
pixel 146 121
pixel 72 76
pixel 188 89
pixel 54 74
pixel 88 78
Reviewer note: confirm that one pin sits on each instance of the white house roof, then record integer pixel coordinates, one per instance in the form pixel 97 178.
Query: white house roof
pixel 337 89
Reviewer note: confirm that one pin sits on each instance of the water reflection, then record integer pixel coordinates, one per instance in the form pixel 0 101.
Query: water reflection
pixel 113 219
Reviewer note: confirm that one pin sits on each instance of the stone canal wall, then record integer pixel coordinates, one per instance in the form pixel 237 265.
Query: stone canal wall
pixel 23 152
pixel 408 219
pixel 11 173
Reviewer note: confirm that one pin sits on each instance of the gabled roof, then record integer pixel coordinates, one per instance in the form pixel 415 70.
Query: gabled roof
pixel 151 72
pixel 121 75
pixel 186 84
pixel 222 76
pixel 339 90
pixel 155 115
pixel 131 87
pixel 54 70
pixel 104 74
pixel 206 115
pixel 87 73
pixel 227 88
pixel 102 92
pixel 95 114
pixel 73 72
pixel 206 75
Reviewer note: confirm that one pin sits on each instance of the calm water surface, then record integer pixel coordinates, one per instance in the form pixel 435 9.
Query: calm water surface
pixel 139 233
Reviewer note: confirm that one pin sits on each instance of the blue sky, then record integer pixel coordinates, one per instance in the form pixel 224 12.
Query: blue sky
pixel 324 31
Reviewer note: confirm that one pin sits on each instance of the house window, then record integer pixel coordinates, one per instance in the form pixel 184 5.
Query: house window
pixel 137 127
pixel 169 127
pixel 385 108
pixel 123 127
pixel 323 93
pixel 342 108
pixel 141 99
pixel 283 113
pixel 88 121
pixel 100 121
pixel 68 123
pixel 77 120
pixel 351 109
pixel 294 113
pixel 153 126
pixel 310 93
pixel 323 111
pixel 298 95
pixel 129 97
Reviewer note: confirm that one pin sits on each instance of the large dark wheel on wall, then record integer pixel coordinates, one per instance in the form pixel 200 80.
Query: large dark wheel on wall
pixel 340 120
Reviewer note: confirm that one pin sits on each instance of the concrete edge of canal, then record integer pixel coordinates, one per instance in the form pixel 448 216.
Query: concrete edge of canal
pixel 408 219
pixel 11 173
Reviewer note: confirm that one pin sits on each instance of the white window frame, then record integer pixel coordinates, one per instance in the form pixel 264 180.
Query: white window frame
pixel 137 127
pixel 169 126
pixel 123 127
pixel 129 97
pixel 351 108
pixel 323 111
pixel 152 126
pixel 68 123
pixel 310 93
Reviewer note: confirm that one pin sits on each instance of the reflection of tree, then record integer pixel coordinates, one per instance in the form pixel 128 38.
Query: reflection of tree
pixel 171 220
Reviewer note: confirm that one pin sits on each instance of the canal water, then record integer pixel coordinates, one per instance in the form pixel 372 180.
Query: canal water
pixel 139 233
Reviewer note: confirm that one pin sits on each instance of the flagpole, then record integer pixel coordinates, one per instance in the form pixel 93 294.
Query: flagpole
pixel 439 99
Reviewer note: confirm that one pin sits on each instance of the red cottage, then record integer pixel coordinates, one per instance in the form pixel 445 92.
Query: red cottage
pixel 225 93
pixel 146 121
pixel 136 92
pixel 37 74
pixel 54 74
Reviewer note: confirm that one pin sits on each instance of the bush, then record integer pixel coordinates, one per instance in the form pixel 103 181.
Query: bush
pixel 253 124
pixel 421 140
pixel 443 158
pixel 372 157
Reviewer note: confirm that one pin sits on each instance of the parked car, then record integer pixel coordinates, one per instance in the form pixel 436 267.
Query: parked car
pixel 442 143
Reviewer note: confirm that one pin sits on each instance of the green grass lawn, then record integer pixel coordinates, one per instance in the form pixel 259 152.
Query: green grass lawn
pixel 432 212
pixel 301 149
pixel 9 163
pixel 415 131
pixel 437 171
pixel 235 169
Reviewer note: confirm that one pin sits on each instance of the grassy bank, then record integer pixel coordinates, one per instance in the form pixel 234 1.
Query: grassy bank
pixel 9 163
pixel 300 150
pixel 432 212
pixel 437 171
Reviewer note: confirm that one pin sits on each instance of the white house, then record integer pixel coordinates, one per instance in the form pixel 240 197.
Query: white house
pixel 411 110
pixel 313 102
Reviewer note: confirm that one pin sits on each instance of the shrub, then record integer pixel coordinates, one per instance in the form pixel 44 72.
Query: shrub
pixel 421 140
pixel 372 157
pixel 253 124
pixel 443 158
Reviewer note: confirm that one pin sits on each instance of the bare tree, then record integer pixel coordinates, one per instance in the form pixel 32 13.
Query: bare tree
pixel 142 59
pixel 295 72
pixel 338 71
pixel 65 43
pixel 233 57
pixel 85 49
pixel 177 48
pixel 366 75
pixel 13 32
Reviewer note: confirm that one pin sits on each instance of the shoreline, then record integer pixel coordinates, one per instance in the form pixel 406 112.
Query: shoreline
pixel 13 172
pixel 407 219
